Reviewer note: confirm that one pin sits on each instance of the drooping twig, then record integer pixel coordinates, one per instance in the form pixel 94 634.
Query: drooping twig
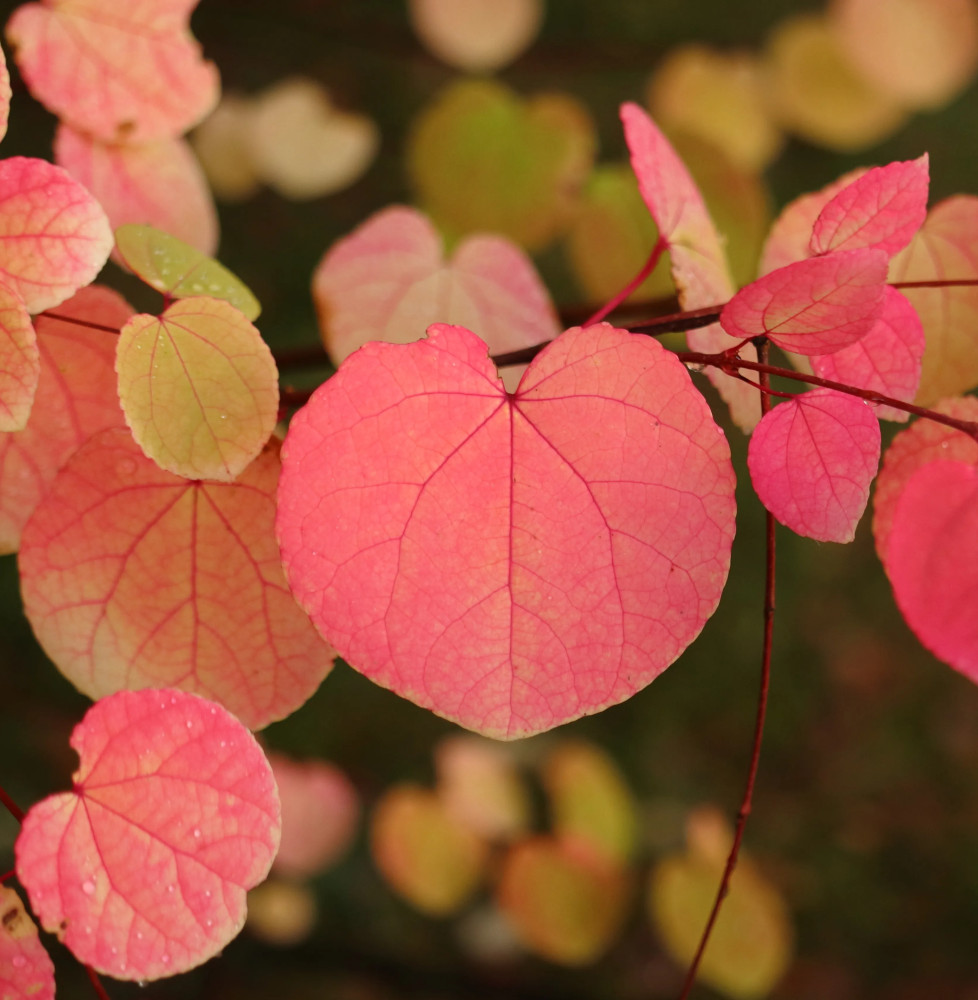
pixel 11 806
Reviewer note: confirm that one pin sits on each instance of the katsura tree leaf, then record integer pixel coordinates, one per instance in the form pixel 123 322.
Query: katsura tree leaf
pixel 142 868
pixel 887 359
pixel 487 555
pixel 179 271
pixel 282 913
pixel 222 145
pixel 946 247
pixel 482 159
pixel 133 577
pixel 120 72
pixel 919 445
pixel 156 183
pixel 427 856
pixel 565 901
pixel 320 813
pixel 198 387
pixel 881 208
pixel 54 236
pixel 26 969
pixel 4 94
pixel 812 460
pixel 20 362
pixel 76 397
pixel 932 560
pixel 814 306
pixel 699 267
pixel 389 280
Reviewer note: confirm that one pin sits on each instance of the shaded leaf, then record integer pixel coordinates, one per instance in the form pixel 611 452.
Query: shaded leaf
pixel 198 387
pixel 282 913
pixel 221 144
pixel 26 969
pixel 20 362
pixel 141 869
pixel 133 577
pixel 486 555
pixel 812 460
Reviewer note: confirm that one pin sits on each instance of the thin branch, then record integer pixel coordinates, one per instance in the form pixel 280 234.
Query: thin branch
pixel 12 807
pixel 79 322
pixel 647 268
pixel 97 983
pixel 7 875
pixel 936 283
pixel 762 702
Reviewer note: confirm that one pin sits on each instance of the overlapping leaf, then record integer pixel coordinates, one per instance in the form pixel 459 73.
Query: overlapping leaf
pixel 4 94
pixel 142 868
pixel 488 556
pixel 133 577
pixel 812 460
pixel 26 969
pixel 20 362
pixel 198 387
pixel 120 72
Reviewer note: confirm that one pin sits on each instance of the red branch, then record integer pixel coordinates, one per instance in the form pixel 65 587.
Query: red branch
pixel 79 322
pixel 7 875
pixel 97 983
pixel 12 807
pixel 647 268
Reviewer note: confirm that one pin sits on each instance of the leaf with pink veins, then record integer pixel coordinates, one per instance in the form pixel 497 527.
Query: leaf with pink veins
pixel 812 460
pixel 26 969
pixel 54 236
pixel 133 577
pixel 142 868
pixel 886 360
pixel 489 556
pixel 76 397
pixel 814 306
pixel 20 362
pixel 882 208
pixel 932 561
pixel 699 266
pixel 127 72
pixel 156 183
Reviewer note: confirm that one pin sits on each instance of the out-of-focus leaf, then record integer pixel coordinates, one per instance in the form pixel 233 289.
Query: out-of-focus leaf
pixel 221 145
pixel 26 969
pixel 4 94
pixel 281 913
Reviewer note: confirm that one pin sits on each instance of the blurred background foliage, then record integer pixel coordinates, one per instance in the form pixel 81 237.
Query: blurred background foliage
pixel 865 825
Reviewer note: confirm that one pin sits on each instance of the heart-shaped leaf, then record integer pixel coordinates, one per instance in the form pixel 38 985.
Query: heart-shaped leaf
pixel 489 556
pixel 26 969
pixel 142 868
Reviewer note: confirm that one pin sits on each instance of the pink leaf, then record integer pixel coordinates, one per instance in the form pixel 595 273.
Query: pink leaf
pixel 142 868
pixel 887 359
pixel 157 183
pixel 932 561
pixel 20 362
pixel 76 397
pixel 119 71
pixel 883 208
pixel 699 267
pixel 389 281
pixel 488 555
pixel 26 969
pixel 814 306
pixel 133 577
pixel 812 460
pixel 54 236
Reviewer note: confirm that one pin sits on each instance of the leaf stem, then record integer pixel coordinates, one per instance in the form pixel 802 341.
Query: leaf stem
pixel 7 875
pixel 12 807
pixel 97 983
pixel 79 322
pixel 647 268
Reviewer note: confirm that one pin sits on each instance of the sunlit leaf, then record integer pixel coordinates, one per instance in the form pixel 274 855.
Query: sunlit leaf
pixel 128 71
pixel 487 555
pixel 565 901
pixel 198 387
pixel 20 362
pixel 76 397
pixel 476 35
pixel 133 578
pixel 54 236
pixel 482 159
pixel 812 460
pixel 427 856
pixel 26 969
pixel 142 868
pixel 156 183
pixel 179 271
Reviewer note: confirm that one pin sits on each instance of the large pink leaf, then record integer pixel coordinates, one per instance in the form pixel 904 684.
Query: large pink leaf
pixel 4 94
pixel 814 306
pixel 882 208
pixel 26 969
pixel 699 267
pixel 142 868
pixel 812 460
pixel 20 361
pixel 156 183
pixel 133 577
pixel 389 281
pixel 76 397
pixel 887 359
pixel 119 71
pixel 54 236
pixel 922 443
pixel 488 555
pixel 932 561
